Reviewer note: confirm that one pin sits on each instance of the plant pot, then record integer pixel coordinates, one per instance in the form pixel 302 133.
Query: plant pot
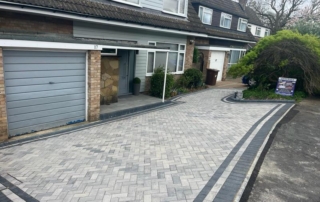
pixel 136 89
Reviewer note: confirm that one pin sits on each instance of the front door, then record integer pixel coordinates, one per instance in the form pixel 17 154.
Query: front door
pixel 217 62
pixel 124 73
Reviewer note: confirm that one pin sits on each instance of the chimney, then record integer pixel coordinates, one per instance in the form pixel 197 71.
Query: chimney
pixel 243 3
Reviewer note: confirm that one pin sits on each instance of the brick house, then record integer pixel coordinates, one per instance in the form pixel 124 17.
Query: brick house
pixel 59 60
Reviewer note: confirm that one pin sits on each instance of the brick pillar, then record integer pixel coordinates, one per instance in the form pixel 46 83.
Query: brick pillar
pixel 3 110
pixel 225 66
pixel 94 69
pixel 189 53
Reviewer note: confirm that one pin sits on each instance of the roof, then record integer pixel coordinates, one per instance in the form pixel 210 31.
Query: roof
pixel 229 33
pixel 111 11
pixel 227 6
pixel 253 18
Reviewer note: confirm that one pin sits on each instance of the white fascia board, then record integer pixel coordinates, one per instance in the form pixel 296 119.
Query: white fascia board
pixel 133 48
pixel 7 43
pixel 94 20
pixel 227 39
pixel 216 48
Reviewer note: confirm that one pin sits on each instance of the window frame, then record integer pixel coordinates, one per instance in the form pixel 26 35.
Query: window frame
pixel 178 14
pixel 242 53
pixel 203 10
pixel 129 3
pixel 267 31
pixel 179 51
pixel 239 23
pixel 225 14
pixel 258 28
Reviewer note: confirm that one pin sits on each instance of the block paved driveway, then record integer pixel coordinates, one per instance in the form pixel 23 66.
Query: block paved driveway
pixel 163 155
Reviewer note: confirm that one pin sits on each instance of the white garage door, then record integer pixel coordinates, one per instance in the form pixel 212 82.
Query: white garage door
pixel 217 62
pixel 44 89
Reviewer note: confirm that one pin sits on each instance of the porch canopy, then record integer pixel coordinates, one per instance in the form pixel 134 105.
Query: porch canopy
pixel 65 42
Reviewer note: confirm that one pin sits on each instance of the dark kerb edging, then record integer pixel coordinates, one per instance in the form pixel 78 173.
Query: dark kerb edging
pixel 232 99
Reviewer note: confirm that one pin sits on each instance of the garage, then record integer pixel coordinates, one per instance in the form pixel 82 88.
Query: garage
pixel 217 62
pixel 44 89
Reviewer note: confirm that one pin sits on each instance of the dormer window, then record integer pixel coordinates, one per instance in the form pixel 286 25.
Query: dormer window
pixel 176 7
pixel 205 15
pixel 130 2
pixel 242 24
pixel 225 20
pixel 267 32
pixel 258 31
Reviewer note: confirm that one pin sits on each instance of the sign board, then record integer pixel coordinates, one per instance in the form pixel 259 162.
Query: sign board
pixel 286 86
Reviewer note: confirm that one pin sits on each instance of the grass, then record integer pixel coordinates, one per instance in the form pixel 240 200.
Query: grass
pixel 254 94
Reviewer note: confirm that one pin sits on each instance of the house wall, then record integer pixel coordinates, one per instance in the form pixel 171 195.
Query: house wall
pixel 26 23
pixel 3 110
pixel 253 30
pixel 94 74
pixel 89 30
pixel 109 79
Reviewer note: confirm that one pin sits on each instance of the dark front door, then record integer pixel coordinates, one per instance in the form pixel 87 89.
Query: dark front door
pixel 124 73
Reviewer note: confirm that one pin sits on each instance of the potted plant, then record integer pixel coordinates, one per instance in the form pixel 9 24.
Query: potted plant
pixel 136 86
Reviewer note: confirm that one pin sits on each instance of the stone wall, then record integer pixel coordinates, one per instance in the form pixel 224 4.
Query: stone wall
pixel 94 75
pixel 109 80
pixel 20 22
pixel 3 110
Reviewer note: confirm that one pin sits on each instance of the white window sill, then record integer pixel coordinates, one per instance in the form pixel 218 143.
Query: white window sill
pixel 206 23
pixel 225 27
pixel 173 73
pixel 128 3
pixel 241 30
pixel 177 14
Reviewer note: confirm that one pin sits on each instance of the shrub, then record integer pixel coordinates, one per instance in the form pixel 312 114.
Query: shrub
pixel 286 54
pixel 136 80
pixel 196 55
pixel 192 78
pixel 157 79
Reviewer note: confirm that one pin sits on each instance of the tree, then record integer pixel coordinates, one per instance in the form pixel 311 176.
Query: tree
pixel 276 13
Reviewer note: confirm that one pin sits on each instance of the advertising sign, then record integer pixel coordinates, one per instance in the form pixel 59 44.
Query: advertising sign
pixel 286 86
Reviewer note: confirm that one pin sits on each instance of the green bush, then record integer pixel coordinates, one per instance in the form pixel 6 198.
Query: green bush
pixel 191 78
pixel 285 54
pixel 136 80
pixel 157 80
pixel 271 95
pixel 196 55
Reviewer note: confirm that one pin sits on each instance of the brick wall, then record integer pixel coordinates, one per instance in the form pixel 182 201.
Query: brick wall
pixel 189 53
pixel 206 61
pixel 94 69
pixel 202 41
pixel 19 22
pixel 3 110
pixel 225 66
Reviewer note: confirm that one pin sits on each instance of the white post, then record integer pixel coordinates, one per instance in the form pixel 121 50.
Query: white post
pixel 165 78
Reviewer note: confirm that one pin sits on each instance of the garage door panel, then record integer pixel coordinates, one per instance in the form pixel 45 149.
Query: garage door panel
pixel 40 67
pixel 42 74
pixel 39 127
pixel 44 60
pixel 45 113
pixel 46 87
pixel 47 119
pixel 39 81
pixel 33 95
pixel 44 107
pixel 41 101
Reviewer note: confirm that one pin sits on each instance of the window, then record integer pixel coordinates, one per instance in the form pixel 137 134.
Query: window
pixel 131 2
pixel 158 59
pixel 267 32
pixel 225 20
pixel 205 15
pixel 108 51
pixel 178 7
pixel 249 27
pixel 242 24
pixel 258 31
pixel 235 55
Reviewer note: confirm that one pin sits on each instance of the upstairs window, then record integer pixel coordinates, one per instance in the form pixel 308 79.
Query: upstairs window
pixel 242 24
pixel 249 27
pixel 205 15
pixel 177 7
pixel 258 31
pixel 267 32
pixel 225 20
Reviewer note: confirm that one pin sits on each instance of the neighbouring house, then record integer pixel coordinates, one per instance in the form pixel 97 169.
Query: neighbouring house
pixel 257 28
pixel 59 60
pixel 226 22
